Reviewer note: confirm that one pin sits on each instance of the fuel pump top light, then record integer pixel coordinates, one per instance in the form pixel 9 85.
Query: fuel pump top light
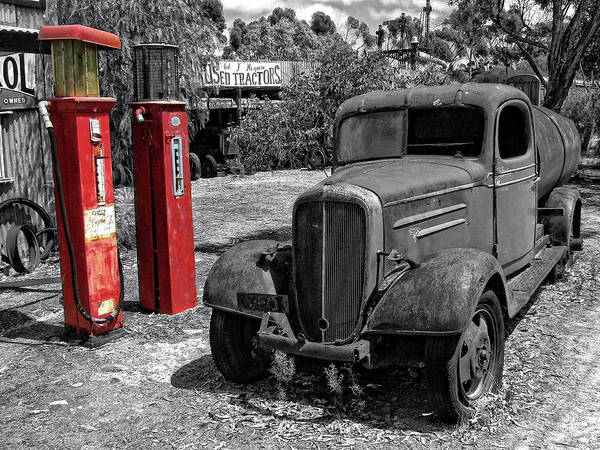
pixel 155 72
pixel 75 56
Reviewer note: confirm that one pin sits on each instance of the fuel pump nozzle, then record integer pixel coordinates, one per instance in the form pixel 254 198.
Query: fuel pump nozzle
pixel 43 109
pixel 139 114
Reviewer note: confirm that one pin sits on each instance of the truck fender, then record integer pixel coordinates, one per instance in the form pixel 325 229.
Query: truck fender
pixel 253 267
pixel 566 229
pixel 439 296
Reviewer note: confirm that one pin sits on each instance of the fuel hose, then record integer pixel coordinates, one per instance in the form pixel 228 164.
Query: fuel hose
pixel 43 110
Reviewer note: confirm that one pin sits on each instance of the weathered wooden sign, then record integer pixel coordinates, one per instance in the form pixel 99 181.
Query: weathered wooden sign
pixel 243 74
pixel 17 81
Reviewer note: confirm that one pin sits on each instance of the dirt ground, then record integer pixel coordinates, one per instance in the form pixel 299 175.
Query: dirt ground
pixel 157 387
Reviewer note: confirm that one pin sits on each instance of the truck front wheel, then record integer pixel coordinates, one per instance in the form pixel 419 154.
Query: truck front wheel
pixel 234 350
pixel 460 371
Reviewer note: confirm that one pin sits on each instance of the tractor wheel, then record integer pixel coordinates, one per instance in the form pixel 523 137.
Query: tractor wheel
pixel 195 167
pixel 234 347
pixel 209 167
pixel 315 160
pixel 461 371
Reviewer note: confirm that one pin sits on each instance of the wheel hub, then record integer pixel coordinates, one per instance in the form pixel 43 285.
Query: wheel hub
pixel 475 357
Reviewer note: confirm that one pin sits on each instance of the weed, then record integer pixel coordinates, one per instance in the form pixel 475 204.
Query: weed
pixel 125 211
pixel 283 369
pixel 335 379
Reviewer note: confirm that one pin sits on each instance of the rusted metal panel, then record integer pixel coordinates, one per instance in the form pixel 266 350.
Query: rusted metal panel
pixel 8 14
pixel 436 297
pixel 26 154
pixel 28 170
pixel 29 17
pixel 291 69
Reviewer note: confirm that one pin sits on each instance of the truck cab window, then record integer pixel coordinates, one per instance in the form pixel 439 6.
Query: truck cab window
pixel 455 130
pixel 445 131
pixel 513 138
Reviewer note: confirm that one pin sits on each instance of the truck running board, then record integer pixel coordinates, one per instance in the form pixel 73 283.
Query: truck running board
pixel 525 284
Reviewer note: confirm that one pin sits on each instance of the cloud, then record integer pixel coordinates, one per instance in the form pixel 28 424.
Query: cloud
pixel 373 12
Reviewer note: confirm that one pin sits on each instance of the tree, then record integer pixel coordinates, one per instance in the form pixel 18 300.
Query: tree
pixel 466 32
pixel 260 39
pixel 321 23
pixel 279 13
pixel 135 22
pixel 279 135
pixel 357 34
pixel 561 30
pixel 279 36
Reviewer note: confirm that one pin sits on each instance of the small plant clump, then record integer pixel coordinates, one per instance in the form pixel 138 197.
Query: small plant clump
pixel 283 369
pixel 340 380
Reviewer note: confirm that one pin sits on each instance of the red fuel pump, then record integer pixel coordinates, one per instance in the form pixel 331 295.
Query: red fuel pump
pixel 163 201
pixel 80 138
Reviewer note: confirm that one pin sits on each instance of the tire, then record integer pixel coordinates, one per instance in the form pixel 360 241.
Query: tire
pixel 453 391
pixel 209 167
pixel 195 167
pixel 315 160
pixel 48 240
pixel 14 253
pixel 233 347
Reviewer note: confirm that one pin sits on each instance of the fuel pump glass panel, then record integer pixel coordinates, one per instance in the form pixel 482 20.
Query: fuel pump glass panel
pixel 177 154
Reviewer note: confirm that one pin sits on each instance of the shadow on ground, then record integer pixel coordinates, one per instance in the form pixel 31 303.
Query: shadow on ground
pixel 16 325
pixel 391 399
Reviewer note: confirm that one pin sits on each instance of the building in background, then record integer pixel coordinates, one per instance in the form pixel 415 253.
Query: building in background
pixel 25 162
pixel 235 87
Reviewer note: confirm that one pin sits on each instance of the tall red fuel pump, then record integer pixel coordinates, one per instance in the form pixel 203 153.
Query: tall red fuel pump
pixel 163 201
pixel 80 138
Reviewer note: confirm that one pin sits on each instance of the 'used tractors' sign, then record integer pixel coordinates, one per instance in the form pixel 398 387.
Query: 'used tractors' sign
pixel 17 81
pixel 243 74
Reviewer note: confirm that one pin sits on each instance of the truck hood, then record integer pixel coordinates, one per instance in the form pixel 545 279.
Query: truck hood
pixel 401 179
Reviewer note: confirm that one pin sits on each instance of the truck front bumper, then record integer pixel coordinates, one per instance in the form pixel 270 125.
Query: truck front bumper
pixel 281 337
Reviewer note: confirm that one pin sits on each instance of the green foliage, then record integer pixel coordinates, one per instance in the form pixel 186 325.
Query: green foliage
pixel 195 26
pixel 282 369
pixel 279 135
pixel 582 106
pixel 357 34
pixel 279 37
pixel 321 23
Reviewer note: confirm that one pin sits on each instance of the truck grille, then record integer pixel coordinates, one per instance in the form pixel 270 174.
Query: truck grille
pixel 329 246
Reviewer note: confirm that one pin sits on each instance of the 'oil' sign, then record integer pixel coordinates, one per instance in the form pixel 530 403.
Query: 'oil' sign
pixel 17 81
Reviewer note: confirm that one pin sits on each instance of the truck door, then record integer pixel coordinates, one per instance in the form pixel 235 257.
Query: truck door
pixel 515 186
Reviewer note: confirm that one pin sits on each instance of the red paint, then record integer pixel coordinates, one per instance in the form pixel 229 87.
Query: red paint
pixel 165 238
pixel 101 38
pixel 97 260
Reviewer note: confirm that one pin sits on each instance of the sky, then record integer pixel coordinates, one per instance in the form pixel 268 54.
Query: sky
pixel 373 12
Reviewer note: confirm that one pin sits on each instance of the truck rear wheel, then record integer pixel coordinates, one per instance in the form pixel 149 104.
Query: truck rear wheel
pixel 461 371
pixel 234 347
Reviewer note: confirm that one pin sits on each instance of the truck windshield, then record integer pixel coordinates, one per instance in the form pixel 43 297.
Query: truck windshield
pixel 455 130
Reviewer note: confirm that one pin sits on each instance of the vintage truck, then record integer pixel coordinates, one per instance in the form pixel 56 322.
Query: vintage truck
pixel 443 216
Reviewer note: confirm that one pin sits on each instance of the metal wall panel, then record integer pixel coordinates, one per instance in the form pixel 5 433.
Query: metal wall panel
pixel 27 160
pixel 8 14
pixel 29 17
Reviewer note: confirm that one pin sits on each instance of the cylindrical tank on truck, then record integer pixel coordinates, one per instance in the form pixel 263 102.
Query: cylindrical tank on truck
pixel 558 147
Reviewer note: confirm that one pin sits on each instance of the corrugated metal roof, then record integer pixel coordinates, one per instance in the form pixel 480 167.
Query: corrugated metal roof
pixel 16 39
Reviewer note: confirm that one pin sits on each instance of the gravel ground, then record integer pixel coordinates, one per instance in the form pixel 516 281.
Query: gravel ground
pixel 157 387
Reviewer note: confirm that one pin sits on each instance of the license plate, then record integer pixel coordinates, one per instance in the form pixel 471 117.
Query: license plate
pixel 263 302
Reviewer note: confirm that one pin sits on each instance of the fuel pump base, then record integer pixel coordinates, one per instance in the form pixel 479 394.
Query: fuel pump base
pixel 82 134
pixel 163 201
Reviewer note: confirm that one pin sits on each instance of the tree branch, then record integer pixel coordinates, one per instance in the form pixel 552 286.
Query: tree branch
pixel 533 64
